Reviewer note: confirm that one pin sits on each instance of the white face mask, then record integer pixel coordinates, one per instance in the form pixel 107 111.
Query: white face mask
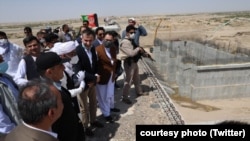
pixel 74 60
pixel 3 42
pixel 132 36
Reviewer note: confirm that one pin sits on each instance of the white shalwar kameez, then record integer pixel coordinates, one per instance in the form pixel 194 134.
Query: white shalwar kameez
pixel 105 93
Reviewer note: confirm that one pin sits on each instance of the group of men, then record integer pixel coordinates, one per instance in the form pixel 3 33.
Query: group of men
pixel 47 89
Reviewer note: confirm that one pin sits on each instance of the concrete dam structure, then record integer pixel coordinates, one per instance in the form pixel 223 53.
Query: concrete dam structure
pixel 202 71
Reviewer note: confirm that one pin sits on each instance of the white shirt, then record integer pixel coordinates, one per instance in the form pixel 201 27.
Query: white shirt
pixel 89 53
pixel 100 42
pixel 64 81
pixel 12 56
pixel 20 76
pixel 107 50
pixel 67 36
pixel 34 128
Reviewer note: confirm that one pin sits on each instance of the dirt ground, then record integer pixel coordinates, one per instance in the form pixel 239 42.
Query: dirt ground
pixel 213 111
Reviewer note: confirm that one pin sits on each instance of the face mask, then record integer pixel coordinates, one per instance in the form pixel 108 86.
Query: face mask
pixel 3 67
pixel 42 40
pixel 3 42
pixel 74 60
pixel 132 36
pixel 107 44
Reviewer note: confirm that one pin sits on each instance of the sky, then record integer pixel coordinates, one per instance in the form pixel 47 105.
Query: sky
pixel 44 10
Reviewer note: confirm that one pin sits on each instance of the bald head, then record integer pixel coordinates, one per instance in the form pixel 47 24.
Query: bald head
pixel 35 100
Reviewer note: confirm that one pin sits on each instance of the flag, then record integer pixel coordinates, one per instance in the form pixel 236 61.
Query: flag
pixel 92 18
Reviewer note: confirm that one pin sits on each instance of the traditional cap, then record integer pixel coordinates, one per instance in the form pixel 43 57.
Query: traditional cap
pixel 64 48
pixel 49 59
pixel 131 19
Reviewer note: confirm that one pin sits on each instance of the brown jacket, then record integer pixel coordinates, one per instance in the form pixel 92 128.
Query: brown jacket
pixel 23 133
pixel 104 65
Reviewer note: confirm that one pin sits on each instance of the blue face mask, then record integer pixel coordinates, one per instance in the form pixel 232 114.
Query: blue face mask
pixel 3 42
pixel 3 67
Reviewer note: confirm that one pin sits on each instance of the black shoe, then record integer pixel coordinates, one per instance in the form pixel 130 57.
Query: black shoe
pixel 126 100
pixel 89 132
pixel 115 110
pixel 97 124
pixel 109 119
pixel 142 94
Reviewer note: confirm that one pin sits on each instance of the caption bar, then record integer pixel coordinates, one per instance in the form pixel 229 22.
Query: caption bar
pixel 186 132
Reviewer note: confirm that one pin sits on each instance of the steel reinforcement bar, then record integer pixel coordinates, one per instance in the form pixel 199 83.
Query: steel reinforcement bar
pixel 162 96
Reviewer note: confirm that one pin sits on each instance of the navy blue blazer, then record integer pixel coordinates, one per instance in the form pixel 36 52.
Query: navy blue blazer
pixel 95 43
pixel 84 64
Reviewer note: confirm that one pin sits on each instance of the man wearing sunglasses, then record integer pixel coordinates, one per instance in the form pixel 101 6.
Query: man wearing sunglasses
pixel 99 36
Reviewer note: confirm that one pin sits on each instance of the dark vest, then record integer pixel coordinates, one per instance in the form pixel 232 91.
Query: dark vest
pixel 137 56
pixel 31 71
pixel 70 85
pixel 68 126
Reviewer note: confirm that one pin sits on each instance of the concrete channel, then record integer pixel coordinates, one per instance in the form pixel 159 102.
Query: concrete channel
pixel 201 71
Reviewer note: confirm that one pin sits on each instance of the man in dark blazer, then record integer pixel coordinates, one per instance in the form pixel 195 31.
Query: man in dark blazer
pixel 40 105
pixel 99 36
pixel 87 62
pixel 68 126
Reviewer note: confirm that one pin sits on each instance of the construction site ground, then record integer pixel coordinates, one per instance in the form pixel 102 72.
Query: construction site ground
pixel 144 110
pixel 148 110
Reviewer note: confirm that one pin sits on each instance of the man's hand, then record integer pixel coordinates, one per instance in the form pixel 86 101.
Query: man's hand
pixel 80 75
pixel 98 77
pixel 91 84
pixel 82 85
pixel 142 50
pixel 137 24
pixel 145 54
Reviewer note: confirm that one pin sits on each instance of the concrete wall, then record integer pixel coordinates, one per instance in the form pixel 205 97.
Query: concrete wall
pixel 201 71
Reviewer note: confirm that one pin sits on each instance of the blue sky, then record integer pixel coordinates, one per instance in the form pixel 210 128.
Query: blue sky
pixel 40 10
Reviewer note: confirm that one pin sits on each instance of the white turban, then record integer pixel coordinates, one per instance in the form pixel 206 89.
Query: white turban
pixel 64 48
